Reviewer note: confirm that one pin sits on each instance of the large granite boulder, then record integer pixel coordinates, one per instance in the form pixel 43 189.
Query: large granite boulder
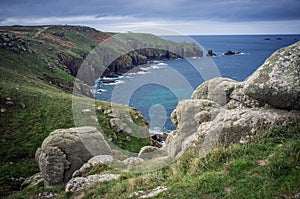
pixel 217 90
pixel 277 81
pixel 66 150
pixel 223 111
pixel 187 116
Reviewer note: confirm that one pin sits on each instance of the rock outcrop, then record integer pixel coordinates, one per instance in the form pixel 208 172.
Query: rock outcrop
pixel 223 111
pixel 277 81
pixel 66 150
pixel 13 43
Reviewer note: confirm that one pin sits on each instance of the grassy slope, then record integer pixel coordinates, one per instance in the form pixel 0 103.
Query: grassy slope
pixel 39 108
pixel 268 167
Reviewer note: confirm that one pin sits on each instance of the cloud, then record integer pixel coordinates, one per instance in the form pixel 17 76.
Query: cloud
pixel 181 14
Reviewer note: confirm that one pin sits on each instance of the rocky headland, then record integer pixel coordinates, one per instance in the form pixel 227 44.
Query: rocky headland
pixel 221 112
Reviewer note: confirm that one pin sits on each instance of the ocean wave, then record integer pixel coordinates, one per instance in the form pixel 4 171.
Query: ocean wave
pixel 158 130
pixel 161 64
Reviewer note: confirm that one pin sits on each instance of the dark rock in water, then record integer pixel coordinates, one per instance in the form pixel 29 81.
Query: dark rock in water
pixel 278 38
pixel 229 52
pixel 210 53
pixel 267 39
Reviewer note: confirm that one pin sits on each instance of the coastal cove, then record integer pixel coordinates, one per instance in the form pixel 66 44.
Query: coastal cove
pixel 153 98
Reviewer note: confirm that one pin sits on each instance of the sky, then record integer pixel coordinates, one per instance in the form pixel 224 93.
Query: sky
pixel 190 17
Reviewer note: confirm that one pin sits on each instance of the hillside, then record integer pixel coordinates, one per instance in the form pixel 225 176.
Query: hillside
pixel 37 69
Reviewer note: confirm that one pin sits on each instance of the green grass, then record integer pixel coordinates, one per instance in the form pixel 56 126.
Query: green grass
pixel 268 167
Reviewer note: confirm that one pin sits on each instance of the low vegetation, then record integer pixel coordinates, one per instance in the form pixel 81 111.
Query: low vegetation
pixel 267 167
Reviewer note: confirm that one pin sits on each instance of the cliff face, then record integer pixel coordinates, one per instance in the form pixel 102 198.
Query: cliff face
pixel 64 48
pixel 223 111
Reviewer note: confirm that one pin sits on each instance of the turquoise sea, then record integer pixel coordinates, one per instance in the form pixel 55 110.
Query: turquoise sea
pixel 156 90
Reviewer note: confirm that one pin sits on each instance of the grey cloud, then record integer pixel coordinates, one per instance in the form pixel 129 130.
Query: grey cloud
pixel 218 10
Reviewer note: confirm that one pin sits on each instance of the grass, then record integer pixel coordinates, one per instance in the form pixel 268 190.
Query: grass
pixel 267 167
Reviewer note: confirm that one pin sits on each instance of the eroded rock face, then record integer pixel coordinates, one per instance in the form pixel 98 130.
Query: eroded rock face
pixel 187 116
pixel 223 111
pixel 66 150
pixel 277 81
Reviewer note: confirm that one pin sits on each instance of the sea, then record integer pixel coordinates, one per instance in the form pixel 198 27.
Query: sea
pixel 156 90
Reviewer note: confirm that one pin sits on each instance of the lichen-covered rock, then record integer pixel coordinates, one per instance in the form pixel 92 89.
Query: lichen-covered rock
pixel 187 116
pixel 240 125
pixel 238 99
pixel 81 183
pixel 33 180
pixel 217 90
pixel 93 162
pixel 66 150
pixel 277 81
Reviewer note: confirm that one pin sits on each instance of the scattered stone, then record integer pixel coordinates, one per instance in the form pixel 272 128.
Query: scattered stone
pixel 94 118
pixel 81 183
pixel 23 105
pixel 99 108
pixel 132 161
pixel 46 194
pixel 13 43
pixel 87 111
pixel 3 110
pixel 108 111
pixel 114 114
pixel 155 192
pixel 33 180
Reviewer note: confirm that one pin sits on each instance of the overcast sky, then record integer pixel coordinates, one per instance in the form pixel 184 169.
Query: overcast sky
pixel 184 16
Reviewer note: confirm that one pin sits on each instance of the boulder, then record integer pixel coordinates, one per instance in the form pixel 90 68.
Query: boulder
pixel 217 90
pixel 33 180
pixel 93 162
pixel 66 150
pixel 150 152
pixel 187 116
pixel 81 183
pixel 277 81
